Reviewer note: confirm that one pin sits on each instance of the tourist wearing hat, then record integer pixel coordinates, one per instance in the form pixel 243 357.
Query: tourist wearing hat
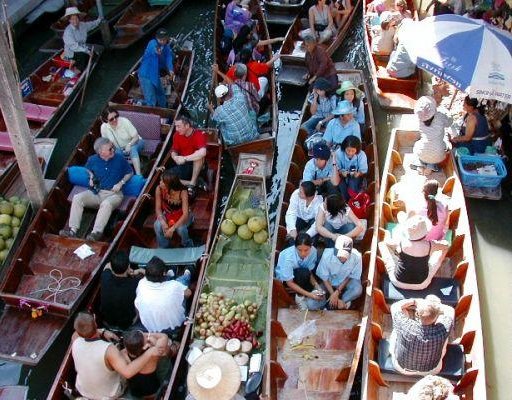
pixel 340 269
pixel 431 149
pixel 233 118
pixel 350 168
pixel 157 60
pixel 302 209
pixel 348 91
pixel 318 63
pixel 75 38
pixel 321 105
pixel 319 169
pixel 410 259
pixel 343 125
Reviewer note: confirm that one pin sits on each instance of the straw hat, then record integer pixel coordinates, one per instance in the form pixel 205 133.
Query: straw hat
pixel 221 90
pixel 214 376
pixel 348 85
pixel 425 108
pixel 416 227
pixel 72 11
pixel 343 107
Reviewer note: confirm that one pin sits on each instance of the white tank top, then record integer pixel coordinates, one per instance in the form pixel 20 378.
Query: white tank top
pixel 94 380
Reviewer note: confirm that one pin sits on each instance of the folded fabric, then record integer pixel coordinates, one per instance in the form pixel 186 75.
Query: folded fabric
pixel 134 186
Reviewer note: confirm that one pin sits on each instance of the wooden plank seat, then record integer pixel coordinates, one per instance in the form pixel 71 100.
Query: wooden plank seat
pixel 5 142
pixel 453 361
pixel 38 112
pixel 149 128
pixel 172 256
pixel 438 287
pixel 125 206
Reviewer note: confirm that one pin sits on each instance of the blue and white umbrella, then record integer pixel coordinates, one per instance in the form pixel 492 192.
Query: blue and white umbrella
pixel 467 53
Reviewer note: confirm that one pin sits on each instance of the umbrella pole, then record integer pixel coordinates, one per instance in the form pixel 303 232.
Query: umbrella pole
pixel 453 99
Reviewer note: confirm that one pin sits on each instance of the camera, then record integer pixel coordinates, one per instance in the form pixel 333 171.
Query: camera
pixel 352 170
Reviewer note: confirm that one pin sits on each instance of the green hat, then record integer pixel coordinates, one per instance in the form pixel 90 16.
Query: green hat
pixel 347 85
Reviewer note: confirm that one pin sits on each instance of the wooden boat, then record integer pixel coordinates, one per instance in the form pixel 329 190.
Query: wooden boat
pixel 268 132
pixel 44 257
pixel 340 337
pixel 464 363
pixel 140 19
pixel 393 94
pixel 293 53
pixel 47 97
pixel 13 392
pixel 139 233
pixel 282 12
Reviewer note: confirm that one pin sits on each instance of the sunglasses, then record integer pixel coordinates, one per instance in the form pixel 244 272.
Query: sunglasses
pixel 112 119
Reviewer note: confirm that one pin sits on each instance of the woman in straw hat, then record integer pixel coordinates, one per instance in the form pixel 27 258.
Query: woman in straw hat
pixel 348 91
pixel 75 38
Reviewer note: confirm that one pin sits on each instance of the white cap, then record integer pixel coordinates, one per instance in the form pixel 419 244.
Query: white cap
pixel 221 91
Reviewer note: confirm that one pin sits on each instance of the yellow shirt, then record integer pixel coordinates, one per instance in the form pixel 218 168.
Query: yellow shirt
pixel 123 134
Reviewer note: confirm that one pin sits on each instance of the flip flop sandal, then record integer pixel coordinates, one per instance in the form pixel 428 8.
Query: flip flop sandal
pixel 191 191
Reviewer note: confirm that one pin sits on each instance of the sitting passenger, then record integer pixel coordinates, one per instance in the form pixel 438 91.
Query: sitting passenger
pixel 400 12
pixel 172 211
pixel 108 172
pixel 236 16
pixel 421 328
pixel 342 126
pixel 340 269
pixel 160 302
pixel 321 106
pixel 335 218
pixel 350 168
pixel 340 11
pixel 432 387
pixel 400 64
pixel 415 260
pixel 354 96
pixel 296 266
pixel 121 132
pixel 301 213
pixel 382 36
pixel 321 25
pixel 378 6
pixel 319 63
pixel 319 169
pixel 474 133
pixel 431 148
pixel 232 117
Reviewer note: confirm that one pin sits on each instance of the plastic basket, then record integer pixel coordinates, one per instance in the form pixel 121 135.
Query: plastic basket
pixel 470 178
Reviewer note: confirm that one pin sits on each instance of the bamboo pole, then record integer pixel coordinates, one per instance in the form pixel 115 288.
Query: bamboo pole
pixel 11 105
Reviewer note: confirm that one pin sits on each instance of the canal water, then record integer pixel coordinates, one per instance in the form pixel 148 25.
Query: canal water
pixel 194 20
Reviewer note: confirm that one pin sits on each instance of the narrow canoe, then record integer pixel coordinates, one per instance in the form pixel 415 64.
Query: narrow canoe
pixel 455 283
pixel 141 18
pixel 139 232
pixel 340 337
pixel 393 94
pixel 45 258
pixel 293 53
pixel 279 12
pixel 268 132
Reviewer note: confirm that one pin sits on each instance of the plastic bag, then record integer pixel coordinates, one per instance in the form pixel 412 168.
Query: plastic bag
pixel 304 330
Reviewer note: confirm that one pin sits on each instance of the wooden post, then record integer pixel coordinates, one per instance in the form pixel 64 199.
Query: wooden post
pixel 104 28
pixel 11 105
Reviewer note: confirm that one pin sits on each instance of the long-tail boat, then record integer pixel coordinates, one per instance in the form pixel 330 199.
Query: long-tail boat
pixel 325 370
pixel 140 19
pixel 46 276
pixel 455 283
pixel 139 236
pixel 265 144
pixel 393 94
pixel 282 12
pixel 293 52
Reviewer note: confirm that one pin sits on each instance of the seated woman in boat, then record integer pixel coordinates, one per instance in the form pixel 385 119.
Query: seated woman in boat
pixel 321 105
pixel 383 36
pixel 172 211
pixel 378 7
pixel 340 269
pixel 431 149
pixel 350 168
pixel 146 383
pixel 348 91
pixel 321 24
pixel 335 218
pixel 432 387
pixel 296 266
pixel 410 259
pixel 318 63
pixel 340 11
pixel 236 16
pixel 302 210
pixel 421 328
pixel 343 125
pixel 319 169
pixel 121 132
pixel 400 64
pixel 400 11
pixel 474 133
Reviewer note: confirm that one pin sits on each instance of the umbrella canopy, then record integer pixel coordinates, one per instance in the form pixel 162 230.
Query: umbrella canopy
pixel 465 52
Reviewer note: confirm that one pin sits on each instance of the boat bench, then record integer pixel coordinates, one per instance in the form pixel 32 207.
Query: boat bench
pixel 171 257
pixel 5 142
pixel 124 207
pixel 149 128
pixel 453 361
pixel 38 112
pixel 438 287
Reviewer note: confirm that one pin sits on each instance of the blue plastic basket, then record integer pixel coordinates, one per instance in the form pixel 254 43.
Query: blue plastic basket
pixel 473 179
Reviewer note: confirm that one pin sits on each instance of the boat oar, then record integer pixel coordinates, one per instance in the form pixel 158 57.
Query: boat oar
pixel 87 73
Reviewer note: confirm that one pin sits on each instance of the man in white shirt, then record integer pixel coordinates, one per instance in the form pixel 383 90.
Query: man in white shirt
pixel 301 213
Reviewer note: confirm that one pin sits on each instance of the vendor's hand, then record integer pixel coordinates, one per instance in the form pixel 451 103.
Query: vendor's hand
pixel 117 187
pixel 110 336
pixel 312 79
pixel 165 226
pixel 333 299
pixel 127 148
pixel 305 76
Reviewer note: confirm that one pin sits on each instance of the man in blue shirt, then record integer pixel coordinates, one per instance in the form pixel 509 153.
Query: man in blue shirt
pixel 158 56
pixel 340 269
pixel 108 172
pixel 400 64
pixel 342 126
pixel 319 169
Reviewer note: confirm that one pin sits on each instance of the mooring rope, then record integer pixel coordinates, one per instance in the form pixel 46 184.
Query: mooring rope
pixel 57 287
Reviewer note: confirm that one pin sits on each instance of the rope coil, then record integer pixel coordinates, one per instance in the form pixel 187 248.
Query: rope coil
pixel 57 286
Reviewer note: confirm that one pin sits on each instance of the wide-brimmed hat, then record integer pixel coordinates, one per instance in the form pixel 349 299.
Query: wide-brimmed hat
pixel 321 151
pixel 348 85
pixel 343 246
pixel 343 107
pixel 322 84
pixel 416 227
pixel 221 90
pixel 425 108
pixel 214 376
pixel 72 11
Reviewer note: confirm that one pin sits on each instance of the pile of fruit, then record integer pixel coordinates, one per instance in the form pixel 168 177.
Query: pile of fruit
pixel 224 318
pixel 248 224
pixel 11 214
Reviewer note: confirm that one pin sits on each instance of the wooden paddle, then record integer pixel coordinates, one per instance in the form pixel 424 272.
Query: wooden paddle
pixel 87 73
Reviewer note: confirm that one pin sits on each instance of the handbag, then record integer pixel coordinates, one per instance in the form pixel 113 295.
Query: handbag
pixel 320 27
pixel 359 204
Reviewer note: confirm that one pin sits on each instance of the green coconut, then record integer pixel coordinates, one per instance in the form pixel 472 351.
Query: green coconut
pixel 3 255
pixel 239 218
pixel 15 222
pixel 230 212
pixel 261 236
pixel 19 210
pixel 256 224
pixel 228 227
pixel 244 232
pixel 6 208
pixel 5 219
pixel 5 231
